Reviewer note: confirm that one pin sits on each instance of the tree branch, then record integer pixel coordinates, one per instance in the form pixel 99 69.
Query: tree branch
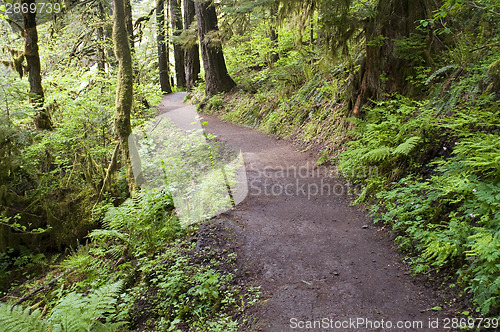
pixel 16 24
pixel 144 18
pixel 38 290
pixel 109 171
pixel 485 46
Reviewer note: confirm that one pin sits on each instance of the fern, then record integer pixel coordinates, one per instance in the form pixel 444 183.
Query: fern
pixel 74 312
pixel 407 146
pixel 79 259
pixel 438 72
pixel 439 250
pixel 104 234
pixel 377 155
pixel 482 153
pixel 103 300
pixel 143 222
pixel 20 319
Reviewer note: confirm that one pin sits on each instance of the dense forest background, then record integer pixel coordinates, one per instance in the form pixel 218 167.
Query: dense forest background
pixel 409 90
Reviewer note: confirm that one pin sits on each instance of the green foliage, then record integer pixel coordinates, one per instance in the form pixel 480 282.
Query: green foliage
pixel 143 242
pixel 75 312
pixel 438 173
pixel 439 72
pixel 143 223
pixel 450 218
pixel 394 137
pixel 53 179
pixel 407 146
pixel 189 293
pixel 480 153
pixel 432 162
pixel 411 48
pixel 215 103
pixel 95 311
pixel 250 51
pixel 21 319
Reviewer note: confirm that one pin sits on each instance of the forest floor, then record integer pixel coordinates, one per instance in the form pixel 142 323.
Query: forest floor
pixel 315 257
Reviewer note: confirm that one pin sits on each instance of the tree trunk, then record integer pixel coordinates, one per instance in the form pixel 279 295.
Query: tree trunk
pixel 101 39
pixel 42 117
pixel 162 47
pixel 216 77
pixel 274 34
pixel 394 20
pixel 176 21
pixel 124 92
pixel 191 55
pixel 129 25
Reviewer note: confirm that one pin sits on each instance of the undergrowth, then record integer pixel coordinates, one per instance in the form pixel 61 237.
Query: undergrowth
pixel 140 271
pixel 438 181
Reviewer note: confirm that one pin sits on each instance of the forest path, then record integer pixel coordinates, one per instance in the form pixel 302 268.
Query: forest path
pixel 316 257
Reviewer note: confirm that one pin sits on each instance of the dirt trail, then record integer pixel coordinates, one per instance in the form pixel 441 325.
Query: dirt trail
pixel 316 257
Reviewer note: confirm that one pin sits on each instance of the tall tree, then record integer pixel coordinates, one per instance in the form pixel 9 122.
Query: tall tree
pixel 394 20
pixel 191 54
pixel 216 77
pixel 176 21
pixel 273 12
pixel 42 117
pixel 129 24
pixel 162 47
pixel 124 89
pixel 101 39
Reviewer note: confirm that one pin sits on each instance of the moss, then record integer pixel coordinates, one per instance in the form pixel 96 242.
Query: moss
pixel 124 89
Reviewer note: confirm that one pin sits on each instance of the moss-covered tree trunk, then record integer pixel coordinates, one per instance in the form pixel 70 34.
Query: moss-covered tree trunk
pixel 129 24
pixel 192 54
pixel 216 77
pixel 273 33
pixel 384 70
pixel 176 22
pixel 42 117
pixel 124 92
pixel 162 47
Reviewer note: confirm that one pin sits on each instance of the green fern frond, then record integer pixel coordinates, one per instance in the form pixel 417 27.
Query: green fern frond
pixel 77 260
pixel 118 217
pixel 103 300
pixel 76 312
pixel 20 319
pixel 377 155
pixel 482 153
pixel 437 72
pixel 407 146
pixel 104 234
pixel 69 314
pixel 115 252
pixel 439 251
